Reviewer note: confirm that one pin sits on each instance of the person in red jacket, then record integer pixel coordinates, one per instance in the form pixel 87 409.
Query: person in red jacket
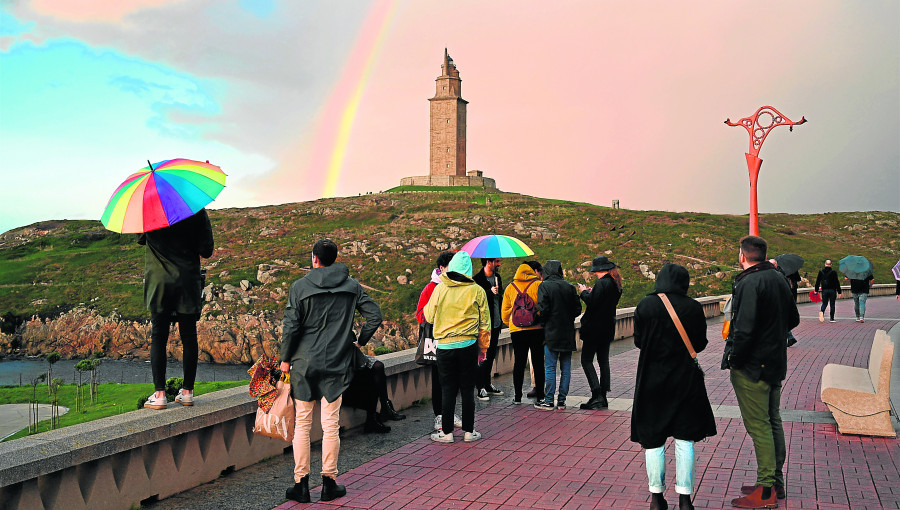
pixel 436 396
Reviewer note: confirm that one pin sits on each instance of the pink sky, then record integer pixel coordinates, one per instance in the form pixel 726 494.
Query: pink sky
pixel 589 100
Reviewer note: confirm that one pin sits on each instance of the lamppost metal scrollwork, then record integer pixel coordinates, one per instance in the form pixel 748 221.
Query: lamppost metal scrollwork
pixel 758 126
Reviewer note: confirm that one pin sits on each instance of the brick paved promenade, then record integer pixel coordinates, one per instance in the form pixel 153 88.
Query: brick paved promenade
pixel 584 459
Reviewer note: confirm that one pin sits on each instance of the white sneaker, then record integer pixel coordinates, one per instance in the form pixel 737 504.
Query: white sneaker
pixel 438 422
pixel 185 399
pixel 472 436
pixel 156 403
pixel 440 437
pixel 457 421
pixel 482 395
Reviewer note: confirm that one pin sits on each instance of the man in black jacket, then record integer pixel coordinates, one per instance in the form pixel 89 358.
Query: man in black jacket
pixel 558 306
pixel 756 353
pixel 489 280
pixel 831 289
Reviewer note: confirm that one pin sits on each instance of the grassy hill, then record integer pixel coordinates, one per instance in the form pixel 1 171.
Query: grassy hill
pixel 49 267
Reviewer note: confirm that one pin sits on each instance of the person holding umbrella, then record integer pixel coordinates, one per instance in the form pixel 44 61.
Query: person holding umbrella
pixel 172 289
pixel 164 202
pixel 859 271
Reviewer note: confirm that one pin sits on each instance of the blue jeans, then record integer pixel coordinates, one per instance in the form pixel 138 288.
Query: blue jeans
pixel 565 374
pixel 859 304
pixel 684 467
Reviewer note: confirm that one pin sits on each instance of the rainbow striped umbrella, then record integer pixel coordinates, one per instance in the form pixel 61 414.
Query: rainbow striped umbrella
pixel 496 247
pixel 161 195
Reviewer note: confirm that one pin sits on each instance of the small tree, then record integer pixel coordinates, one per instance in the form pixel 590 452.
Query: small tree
pixel 33 407
pixel 54 402
pixel 52 358
pixel 81 367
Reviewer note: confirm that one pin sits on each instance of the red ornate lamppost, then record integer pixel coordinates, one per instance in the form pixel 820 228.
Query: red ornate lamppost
pixel 759 126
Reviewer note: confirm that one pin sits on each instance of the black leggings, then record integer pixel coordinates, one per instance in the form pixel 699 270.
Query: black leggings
pixel 159 337
pixel 437 391
pixel 828 298
pixel 600 348
pixel 380 383
pixel 522 342
pixel 458 368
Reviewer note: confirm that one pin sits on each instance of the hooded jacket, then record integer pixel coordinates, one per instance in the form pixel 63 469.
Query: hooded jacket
pixel 459 311
pixel 172 264
pixel 426 294
pixel 318 332
pixel 558 306
pixel 763 314
pixel 598 324
pixel 525 278
pixel 670 397
pixel 827 279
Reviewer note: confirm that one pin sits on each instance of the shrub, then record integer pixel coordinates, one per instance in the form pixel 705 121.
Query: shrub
pixel 173 384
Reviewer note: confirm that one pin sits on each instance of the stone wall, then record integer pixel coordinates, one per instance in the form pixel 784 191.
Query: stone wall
pixel 449 180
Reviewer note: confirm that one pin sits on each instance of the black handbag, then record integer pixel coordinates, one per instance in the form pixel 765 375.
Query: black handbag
pixel 426 351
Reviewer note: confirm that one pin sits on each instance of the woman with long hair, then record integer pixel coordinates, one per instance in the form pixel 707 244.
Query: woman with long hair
pixel 598 328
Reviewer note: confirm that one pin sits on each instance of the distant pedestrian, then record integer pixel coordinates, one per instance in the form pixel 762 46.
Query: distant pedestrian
pixel 519 312
pixel 458 308
pixel 317 348
pixel 670 398
pixel 827 280
pixel 426 331
pixel 756 355
pixel 489 280
pixel 859 289
pixel 172 293
pixel 558 306
pixel 598 327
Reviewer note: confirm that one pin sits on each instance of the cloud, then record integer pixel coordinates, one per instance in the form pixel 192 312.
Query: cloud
pixel 102 11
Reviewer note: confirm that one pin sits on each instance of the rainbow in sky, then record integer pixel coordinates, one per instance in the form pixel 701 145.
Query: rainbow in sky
pixel 336 120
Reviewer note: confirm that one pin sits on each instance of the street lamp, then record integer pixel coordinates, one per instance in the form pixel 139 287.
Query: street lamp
pixel 759 126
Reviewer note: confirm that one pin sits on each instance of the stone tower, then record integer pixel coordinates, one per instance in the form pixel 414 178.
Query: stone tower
pixel 448 123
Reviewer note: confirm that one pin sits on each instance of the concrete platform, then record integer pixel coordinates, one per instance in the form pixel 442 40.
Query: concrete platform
pixel 584 459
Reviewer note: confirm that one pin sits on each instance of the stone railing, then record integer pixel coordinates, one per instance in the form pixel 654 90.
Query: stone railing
pixel 879 289
pixel 145 455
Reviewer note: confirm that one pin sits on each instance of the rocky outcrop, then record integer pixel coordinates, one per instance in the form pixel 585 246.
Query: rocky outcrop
pixel 222 338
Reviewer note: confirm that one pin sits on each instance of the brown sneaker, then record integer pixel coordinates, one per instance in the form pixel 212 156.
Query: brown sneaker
pixel 779 490
pixel 755 499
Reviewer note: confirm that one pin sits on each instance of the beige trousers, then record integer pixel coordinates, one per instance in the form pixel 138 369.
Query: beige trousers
pixel 331 440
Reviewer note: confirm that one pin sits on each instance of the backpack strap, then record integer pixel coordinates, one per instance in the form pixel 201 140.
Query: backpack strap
pixel 522 291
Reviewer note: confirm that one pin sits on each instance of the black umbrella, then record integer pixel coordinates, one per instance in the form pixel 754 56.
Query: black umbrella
pixel 789 263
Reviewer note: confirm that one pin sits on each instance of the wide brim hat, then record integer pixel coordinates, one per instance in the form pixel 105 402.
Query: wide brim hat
pixel 602 263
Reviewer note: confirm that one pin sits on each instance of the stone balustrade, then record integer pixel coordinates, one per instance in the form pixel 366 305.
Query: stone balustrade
pixel 146 455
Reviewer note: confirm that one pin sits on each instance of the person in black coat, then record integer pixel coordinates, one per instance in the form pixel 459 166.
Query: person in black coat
pixel 670 397
pixel 558 306
pixel 489 280
pixel 598 327
pixel 827 280
pixel 172 293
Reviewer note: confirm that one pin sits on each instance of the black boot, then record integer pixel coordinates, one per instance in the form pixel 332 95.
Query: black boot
pixel 596 402
pixel 373 424
pixel 657 501
pixel 299 492
pixel 684 502
pixel 388 412
pixel 331 489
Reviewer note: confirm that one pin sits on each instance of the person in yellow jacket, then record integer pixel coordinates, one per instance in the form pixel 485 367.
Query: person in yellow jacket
pixel 525 332
pixel 458 309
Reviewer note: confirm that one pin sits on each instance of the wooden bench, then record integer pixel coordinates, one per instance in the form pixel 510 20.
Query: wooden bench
pixel 859 398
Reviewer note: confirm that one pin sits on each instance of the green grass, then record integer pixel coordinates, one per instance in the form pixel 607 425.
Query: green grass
pixel 112 399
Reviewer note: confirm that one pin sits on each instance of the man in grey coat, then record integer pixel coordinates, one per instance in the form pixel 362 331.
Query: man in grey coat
pixel 317 346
